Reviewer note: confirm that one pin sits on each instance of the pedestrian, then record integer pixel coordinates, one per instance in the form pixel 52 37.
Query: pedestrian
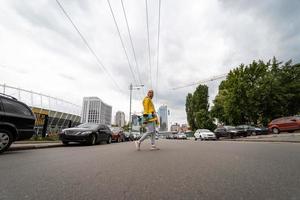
pixel 150 120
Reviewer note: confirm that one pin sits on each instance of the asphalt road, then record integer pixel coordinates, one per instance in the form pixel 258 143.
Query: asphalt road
pixel 180 170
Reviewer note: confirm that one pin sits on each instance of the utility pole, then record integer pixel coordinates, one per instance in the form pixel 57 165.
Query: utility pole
pixel 132 87
pixel 129 121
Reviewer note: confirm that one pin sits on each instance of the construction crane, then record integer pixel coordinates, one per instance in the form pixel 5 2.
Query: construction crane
pixel 202 81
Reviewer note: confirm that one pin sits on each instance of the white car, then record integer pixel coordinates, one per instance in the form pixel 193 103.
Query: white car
pixel 136 135
pixel 204 134
pixel 181 136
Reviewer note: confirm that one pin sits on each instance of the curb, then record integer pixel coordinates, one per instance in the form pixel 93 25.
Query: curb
pixel 35 142
pixel 284 135
pixel 274 141
pixel 28 147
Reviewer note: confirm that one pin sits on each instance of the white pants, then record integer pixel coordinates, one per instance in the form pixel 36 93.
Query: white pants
pixel 150 132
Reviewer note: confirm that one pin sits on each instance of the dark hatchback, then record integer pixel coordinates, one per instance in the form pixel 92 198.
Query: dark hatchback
pixel 253 130
pixel 230 131
pixel 16 121
pixel 87 133
pixel 223 131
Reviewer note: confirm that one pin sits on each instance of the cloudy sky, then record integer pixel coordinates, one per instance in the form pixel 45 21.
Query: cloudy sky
pixel 41 51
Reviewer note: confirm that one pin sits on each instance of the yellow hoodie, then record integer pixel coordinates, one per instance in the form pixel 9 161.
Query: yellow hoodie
pixel 148 106
pixel 149 110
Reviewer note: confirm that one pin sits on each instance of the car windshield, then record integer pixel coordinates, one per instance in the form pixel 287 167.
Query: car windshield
pixel 115 129
pixel 204 130
pixel 88 125
pixel 229 127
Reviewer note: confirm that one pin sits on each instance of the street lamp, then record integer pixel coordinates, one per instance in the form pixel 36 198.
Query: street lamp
pixel 132 87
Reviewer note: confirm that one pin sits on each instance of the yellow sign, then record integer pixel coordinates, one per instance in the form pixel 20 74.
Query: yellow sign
pixel 40 116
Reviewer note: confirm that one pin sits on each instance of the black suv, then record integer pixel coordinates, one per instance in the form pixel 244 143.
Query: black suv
pixel 16 121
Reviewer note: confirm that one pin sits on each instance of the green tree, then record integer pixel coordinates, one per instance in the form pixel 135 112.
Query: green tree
pixel 189 110
pixel 258 93
pixel 218 109
pixel 197 106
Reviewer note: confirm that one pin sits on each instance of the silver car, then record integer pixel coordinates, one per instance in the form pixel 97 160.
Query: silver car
pixel 204 134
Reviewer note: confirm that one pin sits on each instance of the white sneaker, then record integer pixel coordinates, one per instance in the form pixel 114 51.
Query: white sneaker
pixel 153 147
pixel 137 145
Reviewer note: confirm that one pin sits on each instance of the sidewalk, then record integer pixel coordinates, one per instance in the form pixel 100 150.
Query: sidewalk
pixel 25 145
pixel 282 137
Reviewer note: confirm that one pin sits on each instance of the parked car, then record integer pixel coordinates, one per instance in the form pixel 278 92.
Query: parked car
pixel 136 135
pixel 189 133
pixel 128 136
pixel 170 136
pixel 181 136
pixel 257 130
pixel 16 121
pixel 230 131
pixel 246 130
pixel 161 136
pixel 88 133
pixel 175 135
pixel 289 124
pixel 223 131
pixel 117 134
pixel 204 134
pixel 238 131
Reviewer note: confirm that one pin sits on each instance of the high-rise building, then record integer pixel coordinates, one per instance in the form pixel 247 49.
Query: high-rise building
pixel 135 122
pixel 120 119
pixel 163 117
pixel 94 110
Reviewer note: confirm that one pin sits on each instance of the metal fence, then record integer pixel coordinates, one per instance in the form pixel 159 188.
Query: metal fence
pixel 35 99
pixel 60 114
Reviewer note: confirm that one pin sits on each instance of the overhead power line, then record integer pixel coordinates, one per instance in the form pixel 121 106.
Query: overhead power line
pixel 122 42
pixel 124 49
pixel 202 81
pixel 142 92
pixel 132 47
pixel 88 46
pixel 148 38
pixel 157 61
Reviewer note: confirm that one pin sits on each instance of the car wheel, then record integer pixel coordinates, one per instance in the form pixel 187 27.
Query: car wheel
pixel 253 133
pixel 119 139
pixel 275 130
pixel 195 139
pixel 6 139
pixel 108 140
pixel 92 140
pixel 200 138
pixel 65 142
